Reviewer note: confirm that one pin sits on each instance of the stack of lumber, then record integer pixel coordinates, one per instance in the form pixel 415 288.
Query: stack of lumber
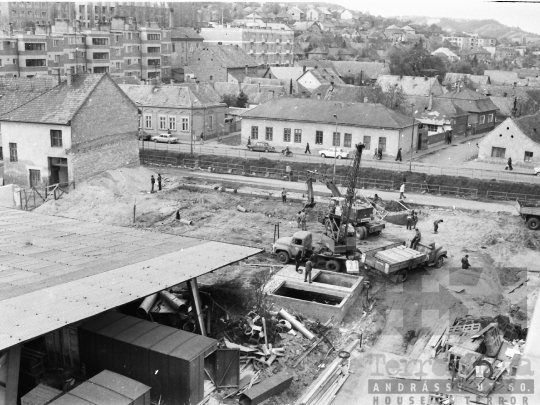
pixel 398 254
pixel 324 389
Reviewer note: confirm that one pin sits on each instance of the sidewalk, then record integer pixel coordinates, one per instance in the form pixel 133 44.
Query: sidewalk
pixel 321 190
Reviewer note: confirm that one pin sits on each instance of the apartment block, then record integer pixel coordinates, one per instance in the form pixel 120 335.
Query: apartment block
pixel 118 48
pixel 269 44
pixel 468 43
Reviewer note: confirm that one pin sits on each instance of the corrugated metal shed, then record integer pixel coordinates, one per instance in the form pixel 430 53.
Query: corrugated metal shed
pixel 56 271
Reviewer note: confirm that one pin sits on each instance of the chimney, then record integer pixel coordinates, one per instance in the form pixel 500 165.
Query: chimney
pixel 70 75
pixel 197 85
pixel 246 70
pixel 430 101
pixel 171 18
pixel 304 69
pixel 318 96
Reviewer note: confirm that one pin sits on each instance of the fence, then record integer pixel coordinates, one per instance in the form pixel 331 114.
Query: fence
pixel 377 164
pixel 498 195
pixel 32 198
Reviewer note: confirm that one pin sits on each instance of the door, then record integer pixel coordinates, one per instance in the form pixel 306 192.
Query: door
pixel 227 371
pixel 35 178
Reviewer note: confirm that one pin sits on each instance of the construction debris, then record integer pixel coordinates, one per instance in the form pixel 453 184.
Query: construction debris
pixel 296 325
pixel 266 389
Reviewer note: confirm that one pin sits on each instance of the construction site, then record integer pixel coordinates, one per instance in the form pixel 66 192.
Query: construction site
pixel 219 289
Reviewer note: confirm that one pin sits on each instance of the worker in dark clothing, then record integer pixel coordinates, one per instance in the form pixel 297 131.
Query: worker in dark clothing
pixel 414 218
pixel 417 238
pixel 398 157
pixel 298 259
pixel 153 181
pixel 283 195
pixel 510 164
pixel 307 273
pixel 159 181
pixel 436 225
pixel 409 220
pixel 307 149
pixel 465 262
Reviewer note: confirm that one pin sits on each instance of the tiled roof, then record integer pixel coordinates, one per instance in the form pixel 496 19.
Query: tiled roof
pixel 411 85
pixel 318 51
pixel 339 92
pixel 59 104
pixel 470 100
pixel 127 80
pixel 15 92
pixel 441 108
pixel 183 96
pixel 325 76
pixel 530 126
pixel 263 81
pixel 368 69
pixel 502 76
pixel 286 73
pixel 227 56
pixel 256 94
pixel 318 111
pixel 185 33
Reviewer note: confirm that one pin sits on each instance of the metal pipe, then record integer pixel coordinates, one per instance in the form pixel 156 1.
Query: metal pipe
pixel 146 306
pixel 296 324
pixel 173 301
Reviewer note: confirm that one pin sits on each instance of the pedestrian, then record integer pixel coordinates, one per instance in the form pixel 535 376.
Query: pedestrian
pixel 409 220
pixel 202 138
pixel 249 142
pixel 375 153
pixel 299 219
pixel 153 181
pixel 416 239
pixel 465 262
pixel 298 260
pixel 307 268
pixel 402 191
pixel 414 218
pixel 283 195
pixel 510 164
pixel 159 181
pixel 169 131
pixel 379 154
pixel 307 149
pixel 398 157
pixel 436 225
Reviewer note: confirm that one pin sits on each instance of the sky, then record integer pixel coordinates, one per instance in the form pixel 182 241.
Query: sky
pixel 523 14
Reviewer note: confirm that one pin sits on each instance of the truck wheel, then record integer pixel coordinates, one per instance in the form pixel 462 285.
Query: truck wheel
pixel 323 155
pixel 403 275
pixel 339 157
pixel 439 263
pixel 533 223
pixel 332 265
pixel 283 257
pixel 366 232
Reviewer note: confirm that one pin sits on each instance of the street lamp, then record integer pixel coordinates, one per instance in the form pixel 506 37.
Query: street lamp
pixel 335 148
pixel 412 137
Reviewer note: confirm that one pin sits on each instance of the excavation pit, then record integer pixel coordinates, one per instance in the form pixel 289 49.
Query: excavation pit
pixel 311 296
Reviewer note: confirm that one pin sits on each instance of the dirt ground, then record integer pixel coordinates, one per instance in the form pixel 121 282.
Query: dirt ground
pixel 499 246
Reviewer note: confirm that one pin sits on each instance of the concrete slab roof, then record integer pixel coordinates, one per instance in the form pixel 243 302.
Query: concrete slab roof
pixel 60 270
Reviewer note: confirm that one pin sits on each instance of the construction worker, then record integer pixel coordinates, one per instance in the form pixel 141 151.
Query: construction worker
pixel 283 195
pixel 414 218
pixel 436 225
pixel 304 220
pixel 152 181
pixel 409 220
pixel 402 191
pixel 417 238
pixel 465 262
pixel 308 268
pixel 159 181
pixel 299 219
pixel 298 260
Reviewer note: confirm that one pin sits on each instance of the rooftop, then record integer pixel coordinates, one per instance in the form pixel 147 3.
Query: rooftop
pixel 530 126
pixel 186 95
pixel 411 85
pixel 57 271
pixel 227 56
pixel 368 69
pixel 183 33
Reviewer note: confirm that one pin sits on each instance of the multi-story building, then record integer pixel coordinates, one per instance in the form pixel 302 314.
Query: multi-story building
pixel 118 48
pixel 269 44
pixel 470 42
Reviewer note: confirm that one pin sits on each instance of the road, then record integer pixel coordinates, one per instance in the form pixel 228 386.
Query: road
pixel 224 150
pixel 320 189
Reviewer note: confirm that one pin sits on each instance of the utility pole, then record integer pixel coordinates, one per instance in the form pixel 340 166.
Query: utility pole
pixel 412 137
pixel 335 149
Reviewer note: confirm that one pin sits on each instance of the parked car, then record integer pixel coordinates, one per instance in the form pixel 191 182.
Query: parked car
pixel 332 152
pixel 166 138
pixel 261 147
pixel 144 136
pixel 537 170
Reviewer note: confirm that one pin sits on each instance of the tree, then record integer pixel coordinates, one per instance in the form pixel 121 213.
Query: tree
pixel 242 100
pixel 391 97
pixel 415 61
pixel 229 99
pixel 461 66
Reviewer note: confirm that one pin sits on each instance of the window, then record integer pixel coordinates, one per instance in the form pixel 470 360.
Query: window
pixel 482 119
pixel 490 118
pixel 297 136
pixel 128 62
pixel 117 38
pixel 162 122
pixel 117 65
pixel 185 124
pixel 498 152
pixel 173 48
pixel 172 123
pixel 148 121
pixel 287 135
pixel 367 142
pixel 99 55
pixel 254 132
pixel 13 152
pixel 154 37
pixel 14 61
pixel 269 135
pixel 100 41
pixel 318 137
pixel 382 143
pixel 34 47
pixel 211 122
pixel 432 128
pixel 58 42
pixel 336 138
pixel 118 52
pixel 154 49
pixel 347 140
pixel 56 138
pixel 71 55
pixel 36 62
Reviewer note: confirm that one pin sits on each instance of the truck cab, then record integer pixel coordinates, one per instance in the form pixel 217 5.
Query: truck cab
pixel 435 252
pixel 287 247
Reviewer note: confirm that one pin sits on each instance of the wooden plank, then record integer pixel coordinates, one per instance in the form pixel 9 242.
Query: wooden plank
pixel 518 285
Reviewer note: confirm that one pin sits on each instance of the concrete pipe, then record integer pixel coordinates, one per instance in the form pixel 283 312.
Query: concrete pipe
pixel 186 221
pixel 146 306
pixel 296 324
pixel 240 208
pixel 174 302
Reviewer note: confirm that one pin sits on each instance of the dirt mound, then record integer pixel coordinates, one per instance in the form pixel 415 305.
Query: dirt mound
pixel 394 206
pixel 398 218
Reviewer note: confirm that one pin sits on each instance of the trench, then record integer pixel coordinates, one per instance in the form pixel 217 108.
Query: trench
pixel 309 296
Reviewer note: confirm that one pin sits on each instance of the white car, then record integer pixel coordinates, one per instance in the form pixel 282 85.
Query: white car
pixel 166 138
pixel 332 152
pixel 537 170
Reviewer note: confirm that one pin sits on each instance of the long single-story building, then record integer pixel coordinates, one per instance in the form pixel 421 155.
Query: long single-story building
pixel 516 138
pixel 324 124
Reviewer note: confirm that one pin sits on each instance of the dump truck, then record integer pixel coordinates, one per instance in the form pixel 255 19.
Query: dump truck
pixel 397 259
pixel 530 212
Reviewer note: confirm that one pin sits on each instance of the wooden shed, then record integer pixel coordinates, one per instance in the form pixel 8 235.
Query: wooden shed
pixel 169 360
